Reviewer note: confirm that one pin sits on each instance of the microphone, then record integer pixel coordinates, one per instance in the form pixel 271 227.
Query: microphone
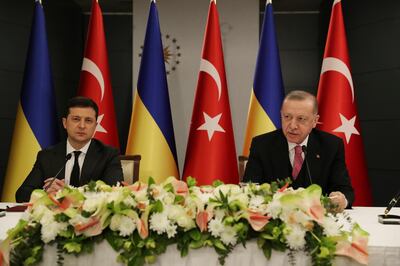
pixel 304 148
pixel 393 202
pixel 67 157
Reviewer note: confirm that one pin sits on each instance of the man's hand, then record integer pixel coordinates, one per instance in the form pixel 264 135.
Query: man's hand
pixel 55 186
pixel 339 200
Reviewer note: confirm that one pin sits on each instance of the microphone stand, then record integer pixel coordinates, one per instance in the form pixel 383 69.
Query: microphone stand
pixel 304 148
pixel 67 157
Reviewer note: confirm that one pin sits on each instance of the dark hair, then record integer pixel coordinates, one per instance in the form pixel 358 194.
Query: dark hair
pixel 81 101
pixel 299 95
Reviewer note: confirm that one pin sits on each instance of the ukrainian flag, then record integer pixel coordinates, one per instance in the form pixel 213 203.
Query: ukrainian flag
pixel 268 91
pixel 151 131
pixel 36 121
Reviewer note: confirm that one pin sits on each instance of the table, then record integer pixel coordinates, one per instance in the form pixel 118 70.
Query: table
pixel 383 248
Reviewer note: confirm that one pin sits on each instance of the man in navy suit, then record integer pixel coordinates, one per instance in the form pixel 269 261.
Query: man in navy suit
pixel 90 158
pixel 280 154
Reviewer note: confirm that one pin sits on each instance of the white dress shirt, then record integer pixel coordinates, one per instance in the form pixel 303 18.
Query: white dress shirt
pixel 292 149
pixel 70 163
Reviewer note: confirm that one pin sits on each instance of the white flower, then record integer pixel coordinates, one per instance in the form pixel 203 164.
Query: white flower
pixel 331 227
pixel 168 198
pixel 174 211
pixel 130 202
pixel 159 222
pixel 185 222
pixel 171 230
pixel 93 202
pixel 203 194
pixel 256 203
pixel 228 235
pixel 216 227
pixel 274 209
pixel 114 196
pixel 219 214
pixel 343 223
pixel 50 230
pixel 295 237
pixel 115 222
pixel 38 212
pixel 127 226
pixel 241 197
pixel 47 217
pixel 141 196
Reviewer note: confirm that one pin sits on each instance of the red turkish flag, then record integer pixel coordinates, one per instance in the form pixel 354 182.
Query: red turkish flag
pixel 338 108
pixel 211 152
pixel 95 80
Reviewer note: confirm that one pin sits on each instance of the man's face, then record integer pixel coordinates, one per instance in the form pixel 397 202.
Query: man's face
pixel 80 125
pixel 298 119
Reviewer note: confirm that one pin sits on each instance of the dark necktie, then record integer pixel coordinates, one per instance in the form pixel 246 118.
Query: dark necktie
pixel 74 180
pixel 297 162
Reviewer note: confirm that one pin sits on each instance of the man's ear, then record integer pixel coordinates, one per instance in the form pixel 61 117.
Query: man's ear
pixel 316 121
pixel 64 121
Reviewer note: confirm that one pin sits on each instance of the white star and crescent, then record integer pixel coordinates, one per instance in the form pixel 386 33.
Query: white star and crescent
pixel 99 127
pixel 347 127
pixel 211 125
pixel 91 67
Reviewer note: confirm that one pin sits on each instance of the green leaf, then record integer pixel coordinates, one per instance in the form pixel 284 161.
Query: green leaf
pixel 267 250
pixel 73 247
pixel 114 239
pixel 150 181
pixel 191 181
pixel 169 188
pixel 61 217
pixel 195 234
pixel 91 186
pixel 157 206
pixel 219 245
pixel 179 199
pixel 196 244
pixel 217 183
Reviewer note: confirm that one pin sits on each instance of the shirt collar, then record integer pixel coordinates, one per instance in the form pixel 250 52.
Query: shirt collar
pixel 292 145
pixel 84 149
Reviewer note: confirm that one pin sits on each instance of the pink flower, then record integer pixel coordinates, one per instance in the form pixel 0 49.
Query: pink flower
pixel 257 220
pixel 202 219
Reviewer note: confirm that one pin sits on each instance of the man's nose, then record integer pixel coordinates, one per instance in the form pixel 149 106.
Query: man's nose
pixel 293 123
pixel 81 124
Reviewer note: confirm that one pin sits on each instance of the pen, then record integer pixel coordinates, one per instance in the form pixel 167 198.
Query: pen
pixel 391 204
pixel 2 213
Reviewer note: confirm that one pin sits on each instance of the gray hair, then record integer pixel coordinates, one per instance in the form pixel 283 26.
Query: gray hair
pixel 299 95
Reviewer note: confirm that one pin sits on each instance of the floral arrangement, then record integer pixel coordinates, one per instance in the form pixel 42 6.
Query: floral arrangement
pixel 139 221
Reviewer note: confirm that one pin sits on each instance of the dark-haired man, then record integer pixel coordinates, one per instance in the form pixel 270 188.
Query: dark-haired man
pixel 90 158
pixel 279 154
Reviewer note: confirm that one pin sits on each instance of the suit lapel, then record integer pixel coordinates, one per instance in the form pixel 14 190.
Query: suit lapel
pixel 60 151
pixel 89 164
pixel 281 157
pixel 314 157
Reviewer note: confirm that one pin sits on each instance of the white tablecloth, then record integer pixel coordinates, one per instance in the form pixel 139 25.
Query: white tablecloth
pixel 384 247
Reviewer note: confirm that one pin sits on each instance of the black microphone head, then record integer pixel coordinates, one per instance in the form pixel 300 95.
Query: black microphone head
pixel 68 156
pixel 304 148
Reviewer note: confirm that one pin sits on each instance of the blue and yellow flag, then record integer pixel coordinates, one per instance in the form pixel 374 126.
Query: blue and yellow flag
pixel 268 92
pixel 151 132
pixel 36 121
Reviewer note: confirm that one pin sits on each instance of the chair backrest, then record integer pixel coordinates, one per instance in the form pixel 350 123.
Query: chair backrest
pixel 130 167
pixel 242 166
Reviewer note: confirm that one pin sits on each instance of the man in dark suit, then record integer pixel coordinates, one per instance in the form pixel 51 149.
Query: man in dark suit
pixel 90 159
pixel 280 154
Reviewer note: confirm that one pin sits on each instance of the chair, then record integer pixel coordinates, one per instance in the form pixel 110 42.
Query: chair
pixel 242 166
pixel 130 167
